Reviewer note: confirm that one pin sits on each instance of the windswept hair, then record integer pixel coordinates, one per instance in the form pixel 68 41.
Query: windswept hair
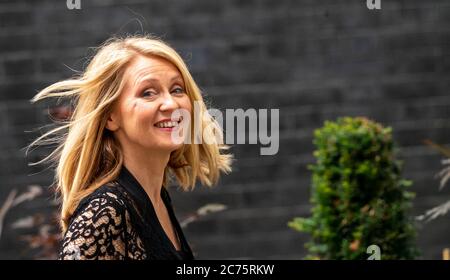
pixel 88 156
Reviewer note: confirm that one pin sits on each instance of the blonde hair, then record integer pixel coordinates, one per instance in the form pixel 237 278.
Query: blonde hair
pixel 88 156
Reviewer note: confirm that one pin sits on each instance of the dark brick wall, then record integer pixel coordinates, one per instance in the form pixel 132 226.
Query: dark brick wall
pixel 314 60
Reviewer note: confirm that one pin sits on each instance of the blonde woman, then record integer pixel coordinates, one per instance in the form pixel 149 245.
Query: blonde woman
pixel 116 153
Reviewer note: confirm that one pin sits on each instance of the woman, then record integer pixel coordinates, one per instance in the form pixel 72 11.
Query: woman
pixel 117 153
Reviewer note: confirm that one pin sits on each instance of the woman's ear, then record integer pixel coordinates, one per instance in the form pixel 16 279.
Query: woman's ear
pixel 113 122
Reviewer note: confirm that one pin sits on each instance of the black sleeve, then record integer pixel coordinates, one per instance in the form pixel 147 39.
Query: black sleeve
pixel 98 231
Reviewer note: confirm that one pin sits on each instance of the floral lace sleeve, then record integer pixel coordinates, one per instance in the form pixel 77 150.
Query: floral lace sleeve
pixel 98 231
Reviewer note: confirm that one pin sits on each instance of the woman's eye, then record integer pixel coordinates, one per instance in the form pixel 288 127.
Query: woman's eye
pixel 148 93
pixel 178 90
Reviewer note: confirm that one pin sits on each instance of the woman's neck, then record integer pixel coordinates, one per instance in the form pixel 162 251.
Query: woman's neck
pixel 148 169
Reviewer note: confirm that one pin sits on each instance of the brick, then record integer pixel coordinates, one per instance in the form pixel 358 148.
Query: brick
pixel 20 67
pixel 20 89
pixel 12 19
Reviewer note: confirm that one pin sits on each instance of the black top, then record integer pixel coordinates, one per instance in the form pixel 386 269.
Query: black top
pixel 118 221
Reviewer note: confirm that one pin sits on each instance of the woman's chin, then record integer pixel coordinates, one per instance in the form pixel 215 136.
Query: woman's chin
pixel 169 146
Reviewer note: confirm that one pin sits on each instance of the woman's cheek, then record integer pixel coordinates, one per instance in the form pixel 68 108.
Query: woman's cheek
pixel 144 110
pixel 187 103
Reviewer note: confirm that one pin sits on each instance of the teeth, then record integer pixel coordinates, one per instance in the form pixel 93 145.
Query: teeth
pixel 167 124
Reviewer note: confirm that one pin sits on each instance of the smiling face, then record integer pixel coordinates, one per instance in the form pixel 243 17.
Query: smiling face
pixel 141 119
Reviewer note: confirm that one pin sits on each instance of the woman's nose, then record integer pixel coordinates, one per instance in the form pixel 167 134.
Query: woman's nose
pixel 168 102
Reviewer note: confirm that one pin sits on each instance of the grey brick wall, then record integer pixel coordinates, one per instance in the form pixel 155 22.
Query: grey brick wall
pixel 314 60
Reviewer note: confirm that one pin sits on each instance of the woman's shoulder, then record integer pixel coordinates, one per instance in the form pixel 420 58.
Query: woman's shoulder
pixel 108 196
pixel 98 226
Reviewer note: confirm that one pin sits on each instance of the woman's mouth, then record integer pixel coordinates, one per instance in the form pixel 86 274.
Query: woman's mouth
pixel 168 124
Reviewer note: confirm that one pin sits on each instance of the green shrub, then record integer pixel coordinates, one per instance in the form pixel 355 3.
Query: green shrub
pixel 358 196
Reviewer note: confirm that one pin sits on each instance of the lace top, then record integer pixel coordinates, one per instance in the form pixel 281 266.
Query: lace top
pixel 118 221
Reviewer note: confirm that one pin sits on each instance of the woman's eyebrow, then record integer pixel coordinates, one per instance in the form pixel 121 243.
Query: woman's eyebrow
pixel 177 77
pixel 143 75
pixel 140 80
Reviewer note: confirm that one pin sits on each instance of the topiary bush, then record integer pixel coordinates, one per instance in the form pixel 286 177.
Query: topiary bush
pixel 359 198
